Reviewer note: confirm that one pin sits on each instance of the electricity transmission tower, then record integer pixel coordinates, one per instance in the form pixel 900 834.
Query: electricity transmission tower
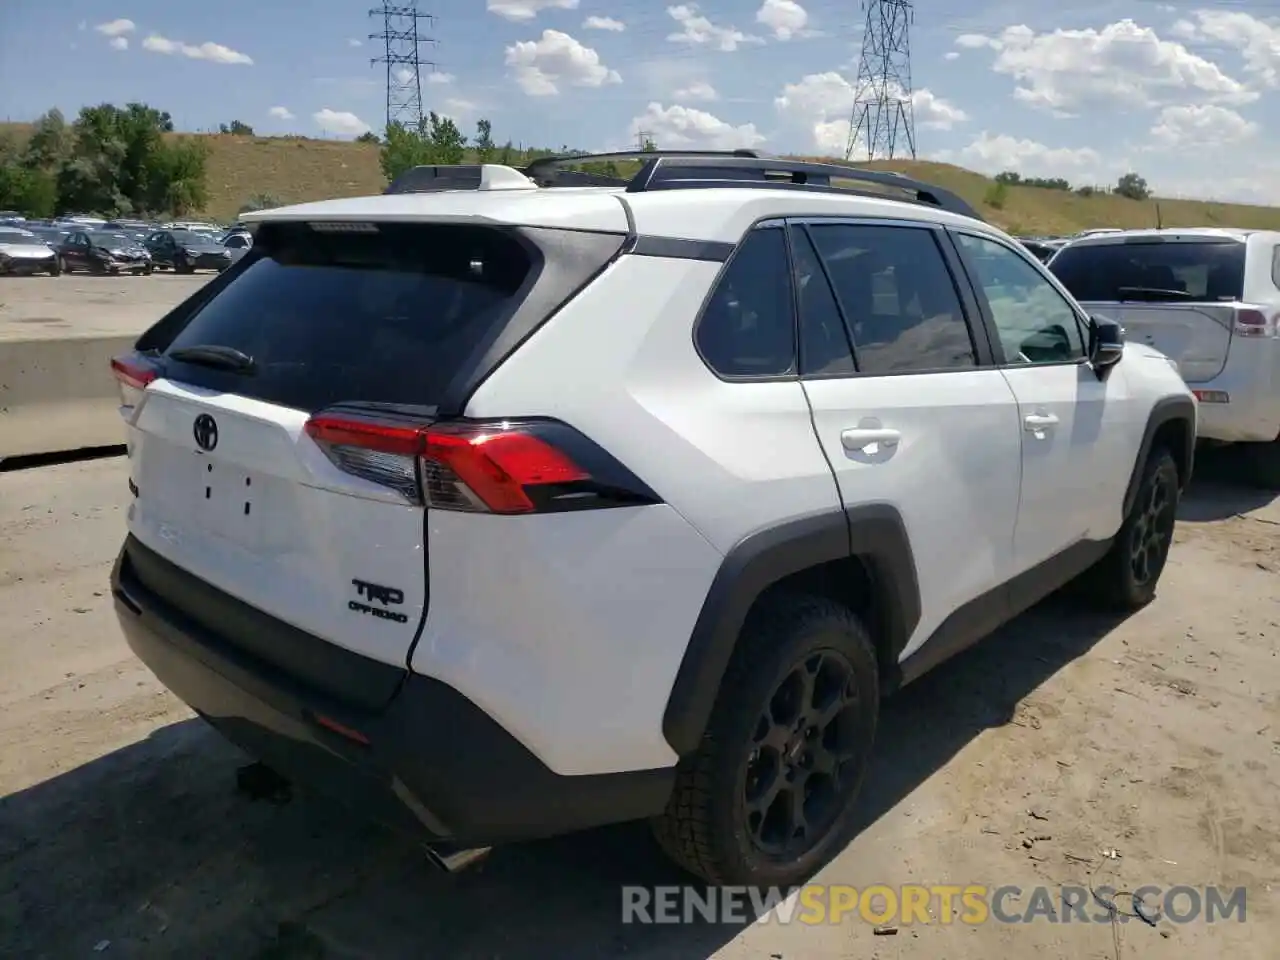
pixel 402 54
pixel 882 102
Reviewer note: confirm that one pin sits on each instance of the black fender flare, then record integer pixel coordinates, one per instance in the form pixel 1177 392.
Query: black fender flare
pixel 1164 411
pixel 875 533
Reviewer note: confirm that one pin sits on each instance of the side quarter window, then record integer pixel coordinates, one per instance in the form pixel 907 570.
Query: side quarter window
pixel 1275 267
pixel 747 329
pixel 1035 323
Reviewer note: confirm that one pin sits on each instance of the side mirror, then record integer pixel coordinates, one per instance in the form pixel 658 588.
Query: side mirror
pixel 1106 344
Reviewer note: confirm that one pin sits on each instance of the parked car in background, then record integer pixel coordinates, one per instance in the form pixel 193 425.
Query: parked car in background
pixel 1209 299
pixel 1039 249
pixel 238 242
pixel 23 252
pixel 185 251
pixel 53 235
pixel 96 251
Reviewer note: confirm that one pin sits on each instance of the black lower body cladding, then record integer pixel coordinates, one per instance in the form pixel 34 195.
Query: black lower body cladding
pixel 427 760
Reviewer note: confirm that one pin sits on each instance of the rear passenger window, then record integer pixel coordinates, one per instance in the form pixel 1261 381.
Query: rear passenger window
pixel 898 297
pixel 824 344
pixel 388 316
pixel 748 327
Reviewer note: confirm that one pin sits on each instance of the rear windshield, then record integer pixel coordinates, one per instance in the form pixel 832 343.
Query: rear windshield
pixel 1171 270
pixel 383 317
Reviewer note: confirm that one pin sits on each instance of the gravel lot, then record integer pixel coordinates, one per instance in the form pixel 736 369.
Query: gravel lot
pixel 121 831
pixel 1157 737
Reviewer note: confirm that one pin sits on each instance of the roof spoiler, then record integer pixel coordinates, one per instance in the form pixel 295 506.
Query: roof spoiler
pixel 462 176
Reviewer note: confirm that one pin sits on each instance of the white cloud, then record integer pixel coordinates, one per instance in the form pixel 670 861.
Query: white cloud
pixel 603 23
pixel 994 153
pixel 115 28
pixel 442 79
pixel 523 10
pixel 677 127
pixel 951 55
pixel 339 122
pixel 540 66
pixel 696 30
pixel 1196 125
pixel 353 42
pixel 698 90
pixel 1258 41
pixel 213 52
pixel 1066 70
pixel 823 102
pixel 402 74
pixel 120 43
pixel 280 113
pixel 786 18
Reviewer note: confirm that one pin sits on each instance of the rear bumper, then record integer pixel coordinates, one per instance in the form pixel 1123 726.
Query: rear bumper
pixel 434 763
pixel 1251 413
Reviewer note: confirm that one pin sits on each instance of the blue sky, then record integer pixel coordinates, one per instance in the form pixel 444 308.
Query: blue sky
pixel 1183 93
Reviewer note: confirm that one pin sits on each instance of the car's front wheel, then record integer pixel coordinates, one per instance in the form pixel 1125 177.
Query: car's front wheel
pixel 55 270
pixel 768 797
pixel 1125 579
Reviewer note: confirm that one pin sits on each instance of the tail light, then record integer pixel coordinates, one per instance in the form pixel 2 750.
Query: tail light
pixel 133 373
pixel 1252 323
pixel 502 468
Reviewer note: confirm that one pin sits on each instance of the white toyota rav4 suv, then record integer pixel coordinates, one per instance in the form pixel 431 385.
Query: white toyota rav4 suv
pixel 503 508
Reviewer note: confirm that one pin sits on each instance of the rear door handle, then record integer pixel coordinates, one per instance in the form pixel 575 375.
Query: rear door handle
pixel 1040 421
pixel 858 439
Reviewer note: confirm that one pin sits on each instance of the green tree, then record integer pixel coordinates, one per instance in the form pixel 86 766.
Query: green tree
pixel 1132 186
pixel 483 141
pixel 402 149
pixel 648 146
pixel 50 142
pixel 120 162
pixel 368 137
pixel 446 142
pixel 236 127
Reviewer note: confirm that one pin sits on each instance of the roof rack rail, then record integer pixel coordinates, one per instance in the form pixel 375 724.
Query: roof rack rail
pixel 548 172
pixel 673 173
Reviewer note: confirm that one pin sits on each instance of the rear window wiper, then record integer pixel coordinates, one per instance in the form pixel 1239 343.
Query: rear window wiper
pixel 1152 293
pixel 215 355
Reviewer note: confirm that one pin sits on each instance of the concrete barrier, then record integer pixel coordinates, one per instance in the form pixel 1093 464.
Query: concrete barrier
pixel 58 395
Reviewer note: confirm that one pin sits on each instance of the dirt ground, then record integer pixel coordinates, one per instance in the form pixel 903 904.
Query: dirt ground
pixel 1023 762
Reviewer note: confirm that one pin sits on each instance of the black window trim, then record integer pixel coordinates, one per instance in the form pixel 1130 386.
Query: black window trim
pixel 771 222
pixel 983 353
pixel 984 305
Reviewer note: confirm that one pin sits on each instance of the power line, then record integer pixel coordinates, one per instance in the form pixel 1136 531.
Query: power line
pixel 882 109
pixel 402 56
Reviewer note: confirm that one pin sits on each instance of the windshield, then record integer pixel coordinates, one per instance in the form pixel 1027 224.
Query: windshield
pixel 188 238
pixel 110 240
pixel 1184 270
pixel 13 236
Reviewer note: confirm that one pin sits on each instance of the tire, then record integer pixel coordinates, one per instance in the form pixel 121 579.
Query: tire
pixel 180 265
pixel 1125 579
pixel 56 269
pixel 148 270
pixel 708 827
pixel 64 266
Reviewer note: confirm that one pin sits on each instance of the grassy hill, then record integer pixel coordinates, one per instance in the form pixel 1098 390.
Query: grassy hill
pixel 297 169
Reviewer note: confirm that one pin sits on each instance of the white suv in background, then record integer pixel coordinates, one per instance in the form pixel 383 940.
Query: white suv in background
pixel 1210 300
pixel 502 508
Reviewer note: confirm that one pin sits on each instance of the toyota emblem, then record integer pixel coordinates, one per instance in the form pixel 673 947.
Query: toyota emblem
pixel 205 430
